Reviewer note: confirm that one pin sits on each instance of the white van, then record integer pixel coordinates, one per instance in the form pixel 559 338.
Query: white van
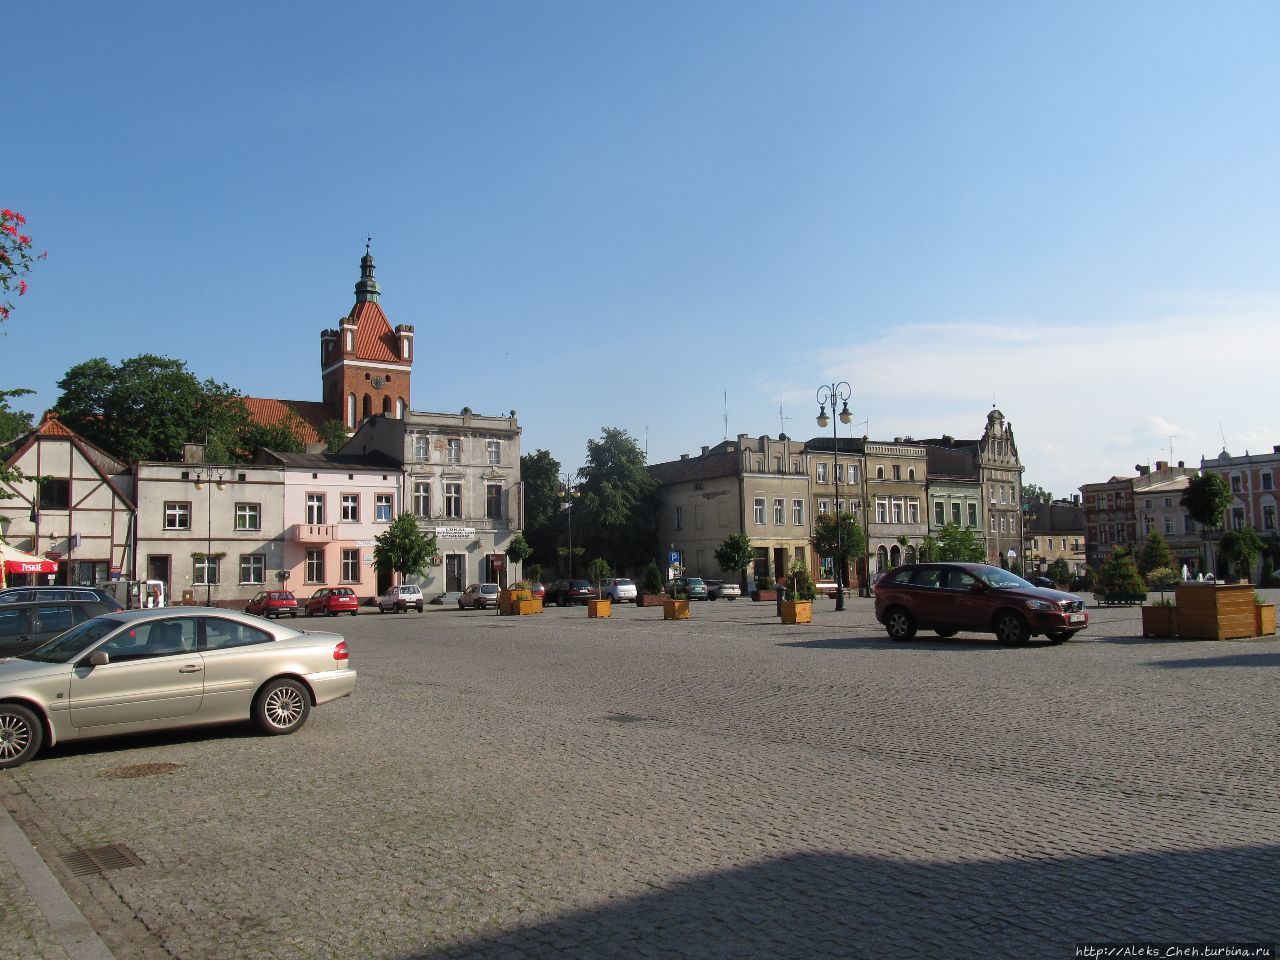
pixel 137 594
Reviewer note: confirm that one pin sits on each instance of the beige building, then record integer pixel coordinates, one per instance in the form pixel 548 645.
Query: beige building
pixel 753 485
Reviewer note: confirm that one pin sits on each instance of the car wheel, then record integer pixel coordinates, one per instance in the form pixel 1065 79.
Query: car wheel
pixel 460 606
pixel 354 612
pixel 293 614
pixel 1057 636
pixel 946 633
pixel 418 608
pixel 281 706
pixel 381 609
pixel 900 624
pixel 1012 630
pixel 559 601
pixel 21 735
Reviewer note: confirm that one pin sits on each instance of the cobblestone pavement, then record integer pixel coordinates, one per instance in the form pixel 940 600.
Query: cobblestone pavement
pixel 724 787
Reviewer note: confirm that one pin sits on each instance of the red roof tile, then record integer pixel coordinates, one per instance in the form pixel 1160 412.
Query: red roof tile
pixel 375 340
pixel 270 412
pixel 51 426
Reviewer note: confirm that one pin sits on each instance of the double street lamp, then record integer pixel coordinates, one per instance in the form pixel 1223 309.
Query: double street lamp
pixel 569 491
pixel 205 478
pixel 831 393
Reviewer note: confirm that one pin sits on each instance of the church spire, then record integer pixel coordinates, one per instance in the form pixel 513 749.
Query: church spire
pixel 367 287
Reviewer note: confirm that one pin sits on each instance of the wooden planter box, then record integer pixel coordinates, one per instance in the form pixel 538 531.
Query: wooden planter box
pixel 797 611
pixel 765 595
pixel 1265 619
pixel 649 599
pixel 507 600
pixel 675 609
pixel 599 609
pixel 522 607
pixel 1216 611
pixel 1159 621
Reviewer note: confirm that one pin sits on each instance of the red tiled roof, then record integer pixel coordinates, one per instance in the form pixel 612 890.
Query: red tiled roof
pixel 375 340
pixel 51 426
pixel 270 412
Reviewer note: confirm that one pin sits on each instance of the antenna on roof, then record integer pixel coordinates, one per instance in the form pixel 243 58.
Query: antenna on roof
pixel 782 426
pixel 726 414
pixel 1224 436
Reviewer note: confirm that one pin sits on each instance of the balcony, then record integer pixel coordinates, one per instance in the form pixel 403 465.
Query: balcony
pixel 314 532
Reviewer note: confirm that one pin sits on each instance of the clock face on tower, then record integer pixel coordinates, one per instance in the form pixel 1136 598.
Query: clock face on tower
pixel 378 383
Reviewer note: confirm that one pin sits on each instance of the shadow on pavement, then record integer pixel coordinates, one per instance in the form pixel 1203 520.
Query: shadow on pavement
pixel 1226 660
pixel 956 645
pixel 817 905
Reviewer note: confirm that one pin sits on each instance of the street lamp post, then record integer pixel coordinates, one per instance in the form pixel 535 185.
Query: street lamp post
pixel 830 393
pixel 568 490
pixel 205 478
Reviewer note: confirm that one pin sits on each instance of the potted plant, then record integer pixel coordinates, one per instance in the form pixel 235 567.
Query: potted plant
pixel 518 601
pixel 676 606
pixel 600 607
pixel 651 586
pixel 765 589
pixel 1159 619
pixel 1216 611
pixel 801 590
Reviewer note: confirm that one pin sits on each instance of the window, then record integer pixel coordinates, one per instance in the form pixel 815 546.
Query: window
pixel 1237 518
pixel 993 523
pixel 253 568
pixel 351 508
pixel 421 447
pixel 55 494
pixel 779 511
pixel 1002 499
pixel 939 513
pixel 759 509
pixel 911 473
pixel 955 513
pixel 222 634
pixel 1268 517
pixel 897 510
pixel 494 450
pixel 839 473
pixel 422 498
pixel 679 518
pixel 840 506
pixel 822 473
pixel 824 507
pixel 315 566
pixel 177 516
pixel 382 507
pixel 205 571
pixel 879 473
pixel 1235 485
pixel 1148 525
pixel 1168 524
pixel 1035 544
pixel 913 510
pixel 897 472
pixel 1147 503
pixel 973 515
pixel 1168 502
pixel 493 501
pixel 158 638
pixel 350 566
pixel 315 508
pixel 453 500
pixel 1191 525
pixel 248 517
pixel 797 512
pixel 882 510
pixel 854 473
pixel 455 451
pixel 1266 481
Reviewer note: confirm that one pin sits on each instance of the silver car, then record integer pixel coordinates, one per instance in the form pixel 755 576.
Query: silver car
pixel 168 667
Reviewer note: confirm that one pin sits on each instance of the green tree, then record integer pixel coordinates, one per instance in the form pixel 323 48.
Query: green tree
pixel 1237 552
pixel 1060 571
pixel 283 437
pixel 735 553
pixel 13 424
pixel 1118 578
pixel 1206 500
pixel 800 585
pixel 540 475
pixel 1155 553
pixel 147 407
pixel 619 506
pixel 1033 493
pixel 404 548
pixel 1163 579
pixel 652 578
pixel 839 542
pixel 334 434
pixel 957 544
pixel 597 570
pixel 518 550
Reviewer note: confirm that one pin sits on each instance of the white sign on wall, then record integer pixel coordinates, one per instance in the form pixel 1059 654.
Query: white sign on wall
pixel 455 533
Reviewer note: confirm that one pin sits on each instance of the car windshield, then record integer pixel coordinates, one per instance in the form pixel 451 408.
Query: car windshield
pixel 696 582
pixel 67 646
pixel 997 577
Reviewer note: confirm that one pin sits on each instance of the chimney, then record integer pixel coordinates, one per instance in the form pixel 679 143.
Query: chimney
pixel 741 438
pixel 684 456
pixel 1075 499
pixel 1142 469
pixel 1162 464
pixel 1183 463
pixel 704 450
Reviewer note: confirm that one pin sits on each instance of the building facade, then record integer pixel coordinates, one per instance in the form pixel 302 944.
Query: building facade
pixel 1254 481
pixel 1055 530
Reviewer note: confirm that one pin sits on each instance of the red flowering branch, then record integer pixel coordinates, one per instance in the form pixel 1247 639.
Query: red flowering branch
pixel 15 257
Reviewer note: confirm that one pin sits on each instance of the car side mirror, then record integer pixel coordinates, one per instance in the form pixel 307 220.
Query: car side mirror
pixel 99 659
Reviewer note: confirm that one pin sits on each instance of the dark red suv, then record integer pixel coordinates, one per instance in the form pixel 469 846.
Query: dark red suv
pixel 949 598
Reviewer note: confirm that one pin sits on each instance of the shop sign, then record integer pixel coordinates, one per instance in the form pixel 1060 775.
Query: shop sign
pixel 455 533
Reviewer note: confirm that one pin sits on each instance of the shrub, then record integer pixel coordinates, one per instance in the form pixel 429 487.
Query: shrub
pixel 652 578
pixel 1119 579
pixel 800 585
pixel 765 582
pixel 1163 578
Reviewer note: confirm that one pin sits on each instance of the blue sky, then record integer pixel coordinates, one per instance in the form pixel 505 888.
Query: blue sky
pixel 609 214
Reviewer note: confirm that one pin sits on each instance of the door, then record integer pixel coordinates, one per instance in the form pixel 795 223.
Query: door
pixel 970 610
pixel 455 573
pixel 158 569
pixel 155 673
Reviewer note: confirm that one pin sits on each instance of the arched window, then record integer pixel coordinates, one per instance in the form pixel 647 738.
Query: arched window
pixel 911 475
pixel 895 557
pixel 879 473
pixel 882 560
pixel 351 411
pixel 400 409
pixel 368 406
pixel 909 555
pixel 386 405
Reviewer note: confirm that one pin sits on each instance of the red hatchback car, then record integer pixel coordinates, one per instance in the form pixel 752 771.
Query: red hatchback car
pixel 273 603
pixel 331 601
pixel 948 598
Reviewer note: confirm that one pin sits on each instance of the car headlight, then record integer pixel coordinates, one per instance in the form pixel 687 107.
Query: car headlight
pixel 1041 605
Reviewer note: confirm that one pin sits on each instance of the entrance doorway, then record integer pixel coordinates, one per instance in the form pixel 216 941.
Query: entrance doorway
pixel 158 569
pixel 495 569
pixel 455 573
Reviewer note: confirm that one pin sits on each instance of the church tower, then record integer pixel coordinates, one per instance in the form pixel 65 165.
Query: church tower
pixel 365 365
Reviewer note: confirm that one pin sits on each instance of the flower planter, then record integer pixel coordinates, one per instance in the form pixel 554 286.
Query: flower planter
pixel 599 609
pixel 771 596
pixel 1264 619
pixel 1159 621
pixel 797 611
pixel 520 606
pixel 675 610
pixel 507 600
pixel 1216 611
pixel 649 599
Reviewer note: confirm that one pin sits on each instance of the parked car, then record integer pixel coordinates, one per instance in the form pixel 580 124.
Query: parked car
pixel 28 594
pixel 722 590
pixel 561 592
pixel 1041 582
pixel 331 601
pixel 479 596
pixel 618 589
pixel 401 598
pixel 141 670
pixel 693 588
pixel 950 597
pixel 25 626
pixel 539 590
pixel 273 603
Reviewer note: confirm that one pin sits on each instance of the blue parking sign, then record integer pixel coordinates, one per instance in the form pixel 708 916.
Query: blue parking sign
pixel 673 557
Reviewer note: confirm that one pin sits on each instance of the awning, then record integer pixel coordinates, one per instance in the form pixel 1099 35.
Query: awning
pixel 15 561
